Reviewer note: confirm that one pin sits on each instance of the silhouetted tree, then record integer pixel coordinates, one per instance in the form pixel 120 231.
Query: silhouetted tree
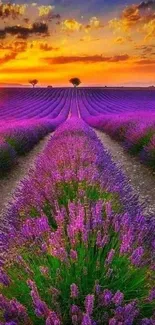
pixel 33 82
pixel 75 81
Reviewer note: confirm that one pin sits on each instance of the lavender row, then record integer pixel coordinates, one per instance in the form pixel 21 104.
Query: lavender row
pixel 34 103
pixel 47 103
pixel 19 137
pixel 76 248
pixel 135 131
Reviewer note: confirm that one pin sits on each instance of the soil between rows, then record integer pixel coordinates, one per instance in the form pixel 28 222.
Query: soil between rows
pixel 141 178
pixel 9 183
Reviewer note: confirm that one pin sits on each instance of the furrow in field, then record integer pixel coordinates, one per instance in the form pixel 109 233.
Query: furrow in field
pixel 140 177
pixel 10 182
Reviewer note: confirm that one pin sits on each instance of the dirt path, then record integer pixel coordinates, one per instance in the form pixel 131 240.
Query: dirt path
pixel 10 182
pixel 140 177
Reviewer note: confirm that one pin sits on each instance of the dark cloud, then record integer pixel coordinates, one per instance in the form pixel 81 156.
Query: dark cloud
pixel 8 57
pixel 14 48
pixel 145 49
pixel 25 32
pixel 52 16
pixel 39 28
pixel 146 5
pixel 45 47
pixel 131 15
pixel 26 20
pixel 136 14
pixel 2 33
pixel 86 59
pixel 55 16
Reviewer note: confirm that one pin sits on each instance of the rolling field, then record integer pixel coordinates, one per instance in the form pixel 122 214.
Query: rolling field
pixel 76 247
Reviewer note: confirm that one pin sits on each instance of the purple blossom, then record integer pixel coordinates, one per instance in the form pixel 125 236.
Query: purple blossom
pixel 147 321
pixel 86 320
pixel 113 321
pixel 53 319
pixel 89 304
pixel 110 256
pixel 74 290
pixel 13 310
pixel 73 255
pixel 74 309
pixel 4 279
pixel 118 298
pixel 108 209
pixel 127 241
pixel 41 308
pixel 136 256
pixel 84 224
pixel 97 289
pixel 152 294
pixel 106 297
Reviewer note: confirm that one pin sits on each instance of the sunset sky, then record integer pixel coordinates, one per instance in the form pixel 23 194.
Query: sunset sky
pixel 103 42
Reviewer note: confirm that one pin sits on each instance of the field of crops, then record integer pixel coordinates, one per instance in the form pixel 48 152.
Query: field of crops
pixel 75 246
pixel 26 115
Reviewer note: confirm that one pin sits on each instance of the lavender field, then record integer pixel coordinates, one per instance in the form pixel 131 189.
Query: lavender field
pixel 75 244
pixel 26 115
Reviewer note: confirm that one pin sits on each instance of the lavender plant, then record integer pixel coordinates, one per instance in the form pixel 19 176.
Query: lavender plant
pixel 7 157
pixel 18 138
pixel 76 253
pixel 135 131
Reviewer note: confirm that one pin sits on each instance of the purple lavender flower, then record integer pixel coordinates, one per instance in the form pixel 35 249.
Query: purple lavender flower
pixel 137 256
pixel 73 255
pixel 110 256
pixel 4 279
pixel 147 321
pixel 41 308
pixel 74 309
pixel 86 320
pixel 130 312
pixel 97 289
pixel 89 304
pixel 113 321
pixel 13 310
pixel 52 319
pixel 127 241
pixel 74 290
pixel 118 298
pixel 108 209
pixel 106 297
pixel 152 294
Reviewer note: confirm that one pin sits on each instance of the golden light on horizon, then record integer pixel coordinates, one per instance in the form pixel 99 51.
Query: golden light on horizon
pixel 39 42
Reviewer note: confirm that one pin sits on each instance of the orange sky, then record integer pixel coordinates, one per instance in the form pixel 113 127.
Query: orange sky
pixel 107 45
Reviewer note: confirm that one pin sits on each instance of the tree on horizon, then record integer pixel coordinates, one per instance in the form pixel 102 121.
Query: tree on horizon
pixel 75 81
pixel 33 82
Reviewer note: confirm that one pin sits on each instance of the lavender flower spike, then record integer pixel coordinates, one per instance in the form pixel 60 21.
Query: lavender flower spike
pixel 74 290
